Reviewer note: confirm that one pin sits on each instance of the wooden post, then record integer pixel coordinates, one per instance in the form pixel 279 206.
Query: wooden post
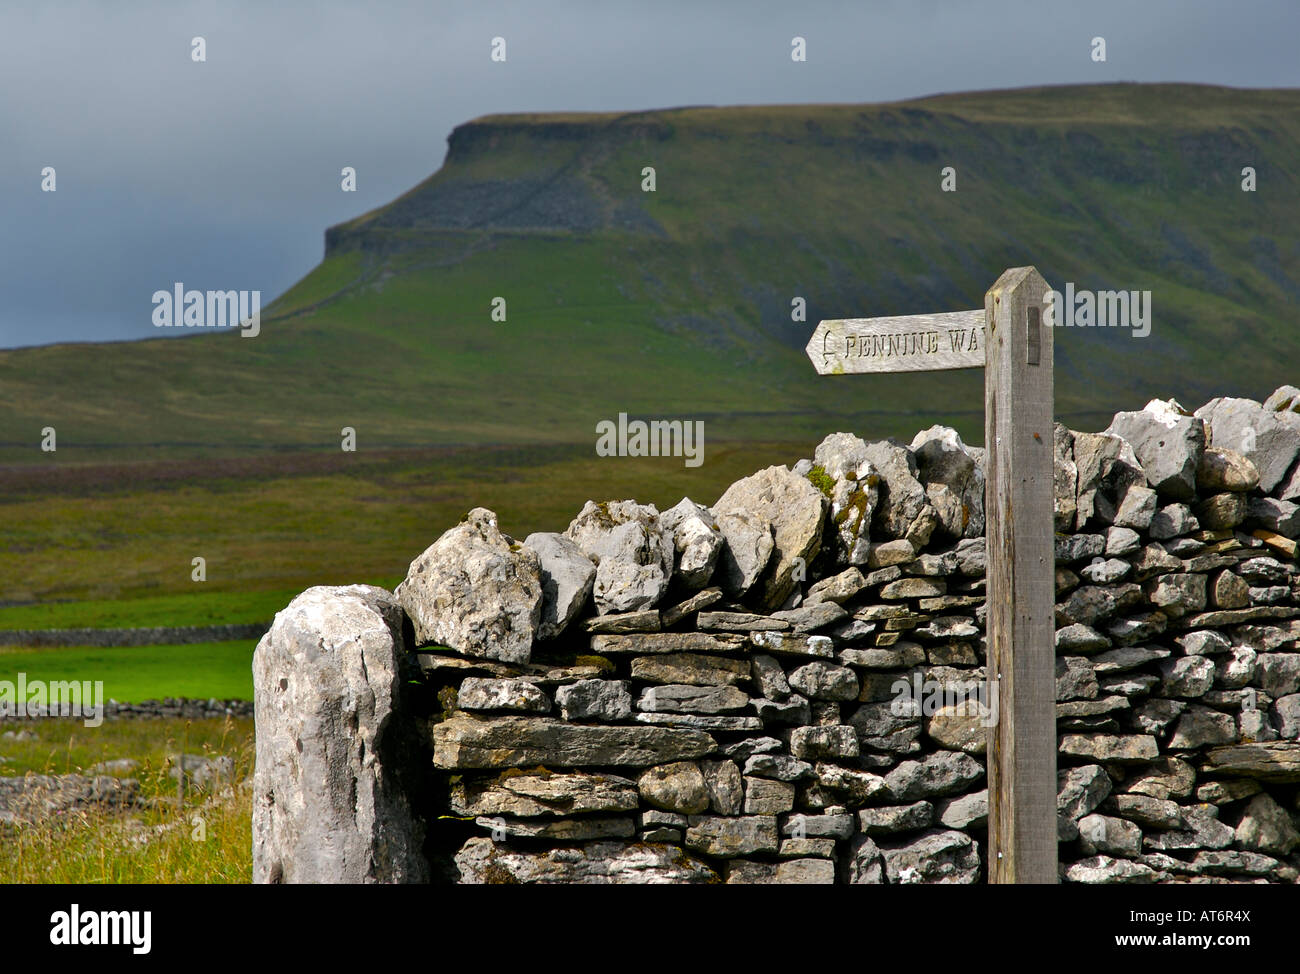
pixel 1012 342
pixel 1021 628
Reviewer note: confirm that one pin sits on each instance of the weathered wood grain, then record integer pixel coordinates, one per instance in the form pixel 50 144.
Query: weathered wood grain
pixel 1022 845
pixel 912 343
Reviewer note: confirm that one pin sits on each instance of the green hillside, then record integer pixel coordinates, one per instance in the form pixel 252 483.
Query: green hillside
pixel 677 303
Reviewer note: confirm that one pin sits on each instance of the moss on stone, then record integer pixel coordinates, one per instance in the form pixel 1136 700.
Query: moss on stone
pixel 820 479
pixel 600 662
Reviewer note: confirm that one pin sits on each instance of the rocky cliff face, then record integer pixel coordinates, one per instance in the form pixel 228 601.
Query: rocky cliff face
pixel 787 686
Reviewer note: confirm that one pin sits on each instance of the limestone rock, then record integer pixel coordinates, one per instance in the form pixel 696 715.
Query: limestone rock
pixel 791 872
pixel 463 741
pixel 904 510
pixel 795 509
pixel 476 591
pixel 936 857
pixel 1203 726
pixel 632 554
pixel 941 773
pixel 851 484
pixel 725 786
pixel 682 698
pixel 697 541
pixel 1167 442
pixel 818 743
pixel 694 669
pixel 1275 761
pixel 1121 749
pixel 1220 512
pixel 1105 870
pixel 480 860
pixel 954 482
pixel 746 550
pixel 1113 836
pixel 1078 792
pixel 599 700
pixel 1065 479
pixel 479 693
pixel 1274 515
pixel 677 787
pixel 1163 778
pixel 560 830
pixel 1266 827
pixel 1223 469
pixel 1186 676
pixel 768 796
pixel 1229 591
pixel 864 863
pixel 811 617
pixel 1108 471
pixel 334 761
pixel 965 812
pixel 851 788
pixel 892 819
pixel 1201 830
pixel 1258 434
pixel 567 579
pixel 820 680
pixel 838 588
pixel 729 838
pixel 540 792
pixel 960 727
pixel 782 767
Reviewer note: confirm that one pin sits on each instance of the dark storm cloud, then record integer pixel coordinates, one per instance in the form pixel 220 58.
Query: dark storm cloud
pixel 225 174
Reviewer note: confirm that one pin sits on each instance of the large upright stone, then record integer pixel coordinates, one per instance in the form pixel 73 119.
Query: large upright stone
pixel 1259 434
pixel 904 510
pixel 696 541
pixel 795 509
pixel 1065 479
pixel 746 549
pixel 851 484
pixel 335 760
pixel 1168 443
pixel 633 555
pixel 567 579
pixel 475 590
pixel 1108 471
pixel 953 480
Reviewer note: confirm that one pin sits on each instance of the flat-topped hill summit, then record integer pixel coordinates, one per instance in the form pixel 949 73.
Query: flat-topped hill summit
pixel 680 300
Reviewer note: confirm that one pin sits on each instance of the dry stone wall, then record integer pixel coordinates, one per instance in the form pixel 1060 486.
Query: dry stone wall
pixel 788 686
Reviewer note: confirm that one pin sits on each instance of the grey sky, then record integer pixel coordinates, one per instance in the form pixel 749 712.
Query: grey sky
pixel 225 174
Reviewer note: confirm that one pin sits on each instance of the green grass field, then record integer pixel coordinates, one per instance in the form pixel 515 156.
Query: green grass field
pixel 187 609
pixel 131 674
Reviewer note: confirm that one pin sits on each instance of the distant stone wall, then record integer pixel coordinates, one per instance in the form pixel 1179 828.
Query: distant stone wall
pixel 136 636
pixel 190 709
pixel 788 686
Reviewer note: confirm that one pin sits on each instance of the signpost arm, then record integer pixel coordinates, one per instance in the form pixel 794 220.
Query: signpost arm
pixel 1021 664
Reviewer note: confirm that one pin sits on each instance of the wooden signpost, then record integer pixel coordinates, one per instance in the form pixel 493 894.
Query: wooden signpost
pixel 1013 344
